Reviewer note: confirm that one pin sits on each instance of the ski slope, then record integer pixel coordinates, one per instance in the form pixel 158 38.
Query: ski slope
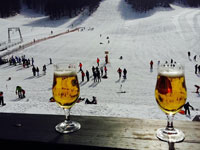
pixel 158 35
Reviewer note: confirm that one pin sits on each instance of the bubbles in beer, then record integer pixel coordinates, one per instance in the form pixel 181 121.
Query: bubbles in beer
pixel 170 89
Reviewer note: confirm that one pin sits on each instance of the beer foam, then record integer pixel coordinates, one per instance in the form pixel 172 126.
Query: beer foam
pixel 169 71
pixel 65 73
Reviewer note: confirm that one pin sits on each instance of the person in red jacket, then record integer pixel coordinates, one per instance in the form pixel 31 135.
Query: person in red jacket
pixel 98 60
pixel 105 69
pixel 82 75
pixel 80 65
pixel 120 72
pixel 151 64
pixel 1 99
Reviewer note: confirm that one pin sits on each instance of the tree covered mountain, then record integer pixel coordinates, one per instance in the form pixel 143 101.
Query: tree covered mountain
pixel 56 9
pixel 145 5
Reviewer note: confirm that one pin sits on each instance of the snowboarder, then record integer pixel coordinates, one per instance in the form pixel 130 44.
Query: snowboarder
pixel 87 75
pixel 98 60
pixel 34 70
pixel 19 91
pixel 82 75
pixel 198 87
pixel 94 101
pixel 124 72
pixel 23 93
pixel 186 107
pixel 1 99
pixel 80 66
pixel 120 72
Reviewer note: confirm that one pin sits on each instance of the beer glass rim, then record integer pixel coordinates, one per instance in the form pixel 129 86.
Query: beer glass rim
pixel 171 69
pixel 65 65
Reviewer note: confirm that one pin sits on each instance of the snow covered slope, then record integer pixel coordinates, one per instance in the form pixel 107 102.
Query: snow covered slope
pixel 161 34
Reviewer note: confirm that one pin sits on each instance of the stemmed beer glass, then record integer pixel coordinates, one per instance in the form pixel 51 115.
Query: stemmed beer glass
pixel 66 92
pixel 170 94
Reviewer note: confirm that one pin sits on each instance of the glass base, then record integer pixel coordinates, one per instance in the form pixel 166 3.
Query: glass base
pixel 170 136
pixel 68 126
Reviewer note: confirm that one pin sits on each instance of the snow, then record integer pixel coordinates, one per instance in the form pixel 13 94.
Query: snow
pixel 160 34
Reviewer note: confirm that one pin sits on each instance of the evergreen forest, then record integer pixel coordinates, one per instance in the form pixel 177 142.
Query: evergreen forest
pixel 56 9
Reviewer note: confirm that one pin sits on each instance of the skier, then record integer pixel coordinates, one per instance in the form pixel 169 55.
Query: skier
pixel 50 60
pixel 120 72
pixel 106 59
pixel 151 65
pixel 34 70
pixel 186 107
pixel 82 75
pixel 105 69
pixel 80 66
pixel 124 72
pixel 196 68
pixel 98 60
pixel 1 99
pixel 98 74
pixel 189 54
pixel 37 70
pixel 32 61
pixel 44 69
pixel 199 69
pixel 87 75
pixel 195 58
pixel 101 68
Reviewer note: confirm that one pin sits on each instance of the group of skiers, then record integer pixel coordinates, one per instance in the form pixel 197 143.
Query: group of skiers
pixel 96 72
pixel 36 70
pixel 194 58
pixel 25 62
pixel 99 72
pixel 120 73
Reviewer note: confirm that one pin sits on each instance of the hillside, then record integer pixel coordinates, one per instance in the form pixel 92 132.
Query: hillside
pixel 160 34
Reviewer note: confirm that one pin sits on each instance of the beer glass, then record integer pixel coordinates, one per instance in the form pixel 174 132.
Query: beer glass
pixel 170 95
pixel 66 92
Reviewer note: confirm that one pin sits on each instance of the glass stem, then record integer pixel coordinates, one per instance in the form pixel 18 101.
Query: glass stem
pixel 67 114
pixel 170 119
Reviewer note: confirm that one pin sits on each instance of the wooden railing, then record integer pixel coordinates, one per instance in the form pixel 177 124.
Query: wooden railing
pixel 27 131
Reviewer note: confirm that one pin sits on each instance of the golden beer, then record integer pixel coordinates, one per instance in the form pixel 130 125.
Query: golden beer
pixel 170 92
pixel 65 88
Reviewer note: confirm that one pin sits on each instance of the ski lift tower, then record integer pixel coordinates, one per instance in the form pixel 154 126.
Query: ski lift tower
pixel 17 29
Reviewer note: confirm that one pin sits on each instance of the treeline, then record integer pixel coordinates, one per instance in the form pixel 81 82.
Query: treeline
pixel 9 8
pixel 191 3
pixel 145 5
pixel 55 9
